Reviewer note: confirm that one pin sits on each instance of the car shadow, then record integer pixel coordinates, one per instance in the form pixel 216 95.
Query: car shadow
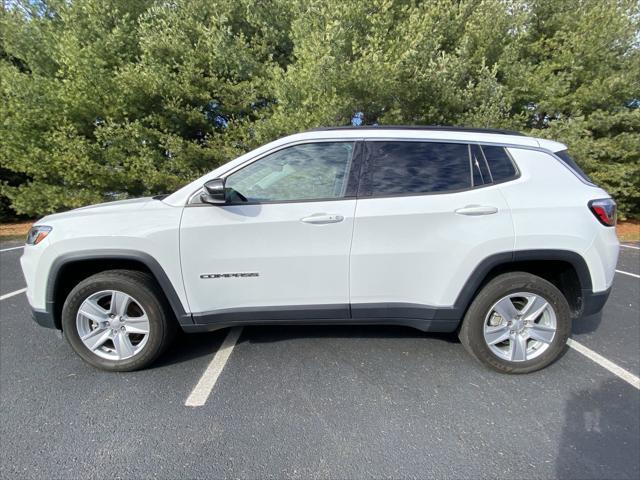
pixel 601 433
pixel 186 347
pixel 587 324
pixel 189 346
pixel 277 333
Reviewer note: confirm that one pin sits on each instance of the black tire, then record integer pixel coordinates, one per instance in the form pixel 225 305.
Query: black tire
pixel 472 330
pixel 143 288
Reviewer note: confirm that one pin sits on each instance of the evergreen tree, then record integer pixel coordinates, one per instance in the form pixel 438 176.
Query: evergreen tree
pixel 112 99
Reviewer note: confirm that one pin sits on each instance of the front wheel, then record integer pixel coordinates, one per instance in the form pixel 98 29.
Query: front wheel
pixel 117 320
pixel 518 323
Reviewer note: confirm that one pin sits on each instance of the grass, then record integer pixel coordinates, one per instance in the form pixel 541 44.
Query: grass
pixel 628 231
pixel 14 231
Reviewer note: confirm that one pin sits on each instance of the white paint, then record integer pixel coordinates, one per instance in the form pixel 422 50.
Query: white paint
pixel 298 263
pixel 419 250
pixel 12 294
pixel 12 248
pixel 146 226
pixel 625 375
pixel 200 393
pixel 629 246
pixel 628 273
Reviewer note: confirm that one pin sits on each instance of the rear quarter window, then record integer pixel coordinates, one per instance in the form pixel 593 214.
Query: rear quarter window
pixel 500 163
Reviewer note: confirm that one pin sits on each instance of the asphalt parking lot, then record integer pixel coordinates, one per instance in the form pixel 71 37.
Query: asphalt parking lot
pixel 321 402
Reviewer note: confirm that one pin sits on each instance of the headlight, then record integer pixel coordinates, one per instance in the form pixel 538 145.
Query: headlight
pixel 37 234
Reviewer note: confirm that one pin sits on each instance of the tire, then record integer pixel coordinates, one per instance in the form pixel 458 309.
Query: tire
pixel 116 326
pixel 483 325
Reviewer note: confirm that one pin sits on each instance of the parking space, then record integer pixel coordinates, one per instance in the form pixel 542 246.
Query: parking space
pixel 328 402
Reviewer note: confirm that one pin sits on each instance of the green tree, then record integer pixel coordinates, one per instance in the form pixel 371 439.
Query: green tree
pixel 114 99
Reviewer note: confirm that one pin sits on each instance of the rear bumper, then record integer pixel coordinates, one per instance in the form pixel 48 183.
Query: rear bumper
pixel 593 302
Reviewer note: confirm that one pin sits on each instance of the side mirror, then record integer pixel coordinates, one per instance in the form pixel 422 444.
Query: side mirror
pixel 214 192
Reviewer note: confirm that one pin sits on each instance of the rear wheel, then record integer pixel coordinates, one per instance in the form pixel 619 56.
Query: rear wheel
pixel 117 320
pixel 518 323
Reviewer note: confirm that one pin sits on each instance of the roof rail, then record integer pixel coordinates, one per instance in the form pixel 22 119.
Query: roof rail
pixel 421 127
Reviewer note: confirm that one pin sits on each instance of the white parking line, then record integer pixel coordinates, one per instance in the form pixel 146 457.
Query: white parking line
pixel 12 294
pixel 9 249
pixel 630 246
pixel 200 393
pixel 628 273
pixel 625 375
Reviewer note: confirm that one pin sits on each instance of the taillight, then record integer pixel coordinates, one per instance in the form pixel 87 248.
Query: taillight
pixel 604 210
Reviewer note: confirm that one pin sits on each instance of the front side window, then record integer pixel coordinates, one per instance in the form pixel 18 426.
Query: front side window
pixel 302 172
pixel 398 167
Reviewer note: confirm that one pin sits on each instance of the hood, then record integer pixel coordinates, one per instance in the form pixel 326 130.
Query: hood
pixel 100 208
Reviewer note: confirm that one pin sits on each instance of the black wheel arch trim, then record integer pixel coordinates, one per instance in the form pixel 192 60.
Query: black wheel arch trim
pixel 479 274
pixel 117 254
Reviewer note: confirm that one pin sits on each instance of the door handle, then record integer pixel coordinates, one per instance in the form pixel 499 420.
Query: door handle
pixel 322 218
pixel 477 210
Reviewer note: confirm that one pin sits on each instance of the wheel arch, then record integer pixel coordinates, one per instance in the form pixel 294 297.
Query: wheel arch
pixel 71 268
pixel 566 269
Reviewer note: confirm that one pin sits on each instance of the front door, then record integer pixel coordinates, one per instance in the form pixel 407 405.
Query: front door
pixel 279 250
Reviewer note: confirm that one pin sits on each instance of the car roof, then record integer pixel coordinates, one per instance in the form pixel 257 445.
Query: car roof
pixel 420 127
pixel 430 132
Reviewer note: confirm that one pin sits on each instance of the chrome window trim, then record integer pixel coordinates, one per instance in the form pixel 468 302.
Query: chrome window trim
pixel 505 145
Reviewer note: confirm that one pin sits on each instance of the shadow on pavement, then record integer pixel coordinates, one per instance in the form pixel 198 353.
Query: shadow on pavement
pixel 598 440
pixel 186 347
pixel 276 333
pixel 587 324
pixel 189 346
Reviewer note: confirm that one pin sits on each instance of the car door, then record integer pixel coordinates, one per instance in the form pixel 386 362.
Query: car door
pixel 279 250
pixel 428 213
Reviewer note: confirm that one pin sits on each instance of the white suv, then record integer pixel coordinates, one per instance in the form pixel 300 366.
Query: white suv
pixel 491 234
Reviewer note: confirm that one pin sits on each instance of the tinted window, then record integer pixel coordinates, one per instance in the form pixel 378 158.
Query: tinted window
pixel 500 163
pixel 302 172
pixel 418 167
pixel 564 156
pixel 481 174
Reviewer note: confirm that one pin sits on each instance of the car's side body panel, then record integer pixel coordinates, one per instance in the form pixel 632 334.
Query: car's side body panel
pixel 549 209
pixel 418 250
pixel 149 227
pixel 265 255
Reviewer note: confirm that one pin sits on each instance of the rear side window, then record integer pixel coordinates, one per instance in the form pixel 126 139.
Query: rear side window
pixel 481 173
pixel 417 167
pixel 570 162
pixel 500 163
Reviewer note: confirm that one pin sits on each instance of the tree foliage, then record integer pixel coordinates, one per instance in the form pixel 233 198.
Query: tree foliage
pixel 111 99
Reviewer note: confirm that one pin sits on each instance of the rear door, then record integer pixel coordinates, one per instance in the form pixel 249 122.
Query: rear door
pixel 427 214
